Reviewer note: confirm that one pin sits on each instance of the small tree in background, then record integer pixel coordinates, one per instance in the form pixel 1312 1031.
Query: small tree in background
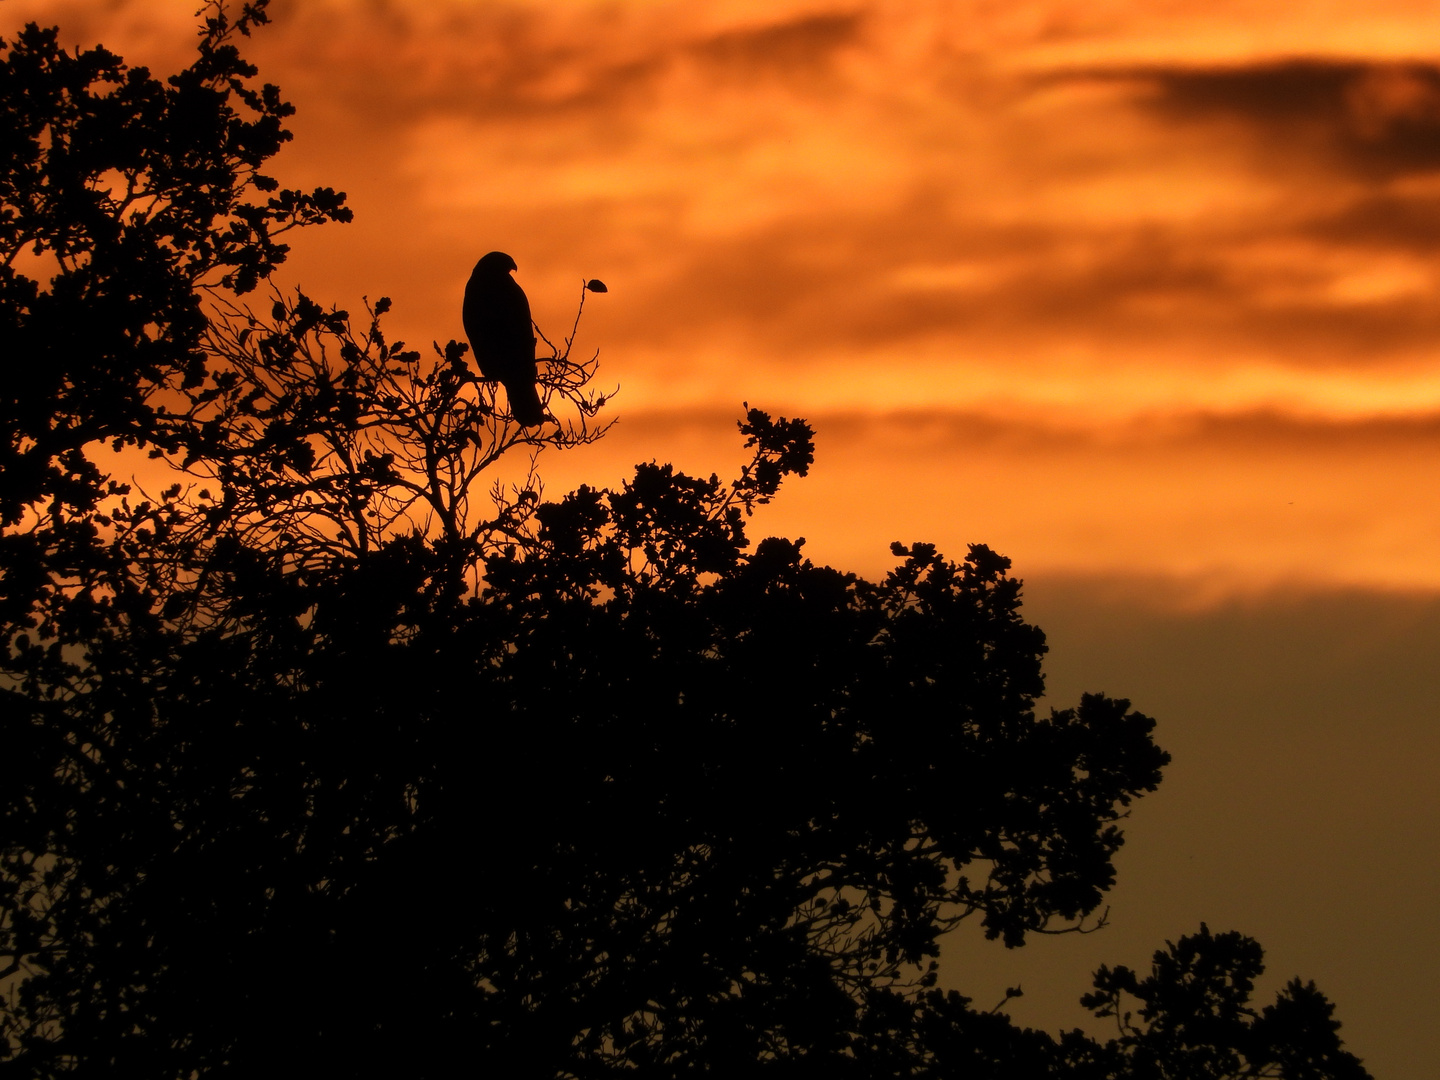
pixel 336 756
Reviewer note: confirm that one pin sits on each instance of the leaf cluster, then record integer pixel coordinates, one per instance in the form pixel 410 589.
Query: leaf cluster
pixel 124 201
pixel 1192 1016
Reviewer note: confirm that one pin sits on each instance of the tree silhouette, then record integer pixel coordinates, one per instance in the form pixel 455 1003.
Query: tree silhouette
pixel 337 756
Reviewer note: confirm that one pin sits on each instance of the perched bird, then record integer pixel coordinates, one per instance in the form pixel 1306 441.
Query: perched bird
pixel 497 322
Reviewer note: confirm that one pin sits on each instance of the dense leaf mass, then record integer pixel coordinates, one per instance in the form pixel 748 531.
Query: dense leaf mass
pixel 123 200
pixel 320 763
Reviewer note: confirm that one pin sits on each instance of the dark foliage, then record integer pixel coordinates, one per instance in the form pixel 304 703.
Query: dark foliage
pixel 123 200
pixel 1195 1019
pixel 320 763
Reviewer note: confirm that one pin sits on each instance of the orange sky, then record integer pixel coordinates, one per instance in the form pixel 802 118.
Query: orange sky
pixel 1141 293
pixel 1152 284
pixel 1120 294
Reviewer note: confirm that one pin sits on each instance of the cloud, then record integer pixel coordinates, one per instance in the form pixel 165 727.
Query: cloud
pixel 1378 120
pixel 802 46
pixel 1402 221
pixel 807 181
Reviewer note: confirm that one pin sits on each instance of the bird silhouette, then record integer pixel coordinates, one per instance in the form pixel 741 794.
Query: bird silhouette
pixel 497 322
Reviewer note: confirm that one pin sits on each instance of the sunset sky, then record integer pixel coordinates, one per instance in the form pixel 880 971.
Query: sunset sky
pixel 1145 295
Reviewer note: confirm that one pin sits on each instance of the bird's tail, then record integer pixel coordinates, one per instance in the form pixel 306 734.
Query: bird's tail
pixel 525 402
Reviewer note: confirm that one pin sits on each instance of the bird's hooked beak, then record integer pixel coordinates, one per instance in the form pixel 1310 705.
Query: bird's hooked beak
pixel 497 262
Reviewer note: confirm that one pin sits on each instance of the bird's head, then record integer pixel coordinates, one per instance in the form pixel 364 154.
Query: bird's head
pixel 497 263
